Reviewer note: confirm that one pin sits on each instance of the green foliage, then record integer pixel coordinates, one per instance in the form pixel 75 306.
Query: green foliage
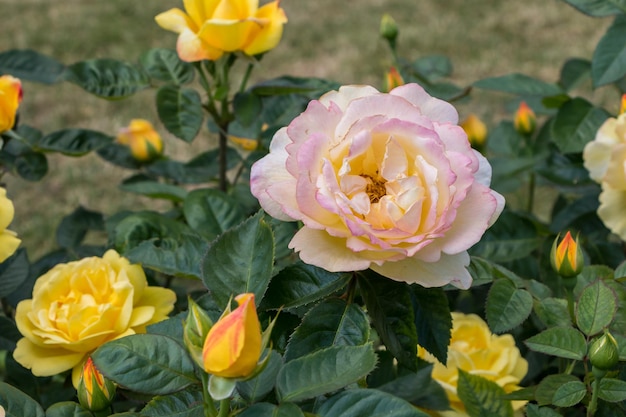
pixel 481 397
pixel 371 403
pixel 30 65
pixel 107 78
pixel 180 110
pixel 564 342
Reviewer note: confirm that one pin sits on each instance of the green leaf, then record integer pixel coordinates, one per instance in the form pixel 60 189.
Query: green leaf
pixel 595 8
pixel 419 389
pixel 519 84
pixel 211 212
pixel 29 65
pixel 13 272
pixel 367 403
pixel 575 124
pixel 119 155
pixel 284 409
pixel 533 410
pixel 433 320
pixel 595 308
pixel 324 371
pixel 390 306
pixel 609 58
pixel 481 397
pixel 165 65
pixel 136 363
pixel 74 142
pixel 549 385
pixel 32 166
pixel 612 390
pixel 253 390
pixel 18 404
pixel 574 71
pixel 203 168
pixel 507 306
pixel 247 108
pixel 564 342
pixel 180 111
pixel 187 403
pixel 74 227
pixel 553 312
pixel 569 394
pixel 333 322
pixel 9 334
pixel 313 87
pixel 240 261
pixel 301 284
pixel 67 409
pixel 107 78
pixel 155 189
pixel 433 67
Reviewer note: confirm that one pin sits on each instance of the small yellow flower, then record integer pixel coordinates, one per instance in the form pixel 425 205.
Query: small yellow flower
pixel 10 98
pixel 525 119
pixel 567 257
pixel 233 345
pixel 245 143
pixel 95 392
pixel 209 28
pixel 393 79
pixel 476 130
pixel 8 239
pixel 143 140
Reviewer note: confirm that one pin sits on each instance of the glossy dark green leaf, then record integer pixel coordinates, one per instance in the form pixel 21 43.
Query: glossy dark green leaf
pixel 13 272
pixel 187 403
pixel 284 409
pixel 9 334
pixel 507 306
pixel 135 363
pixel 552 312
pixel 612 390
pixel 240 261
pixel 564 342
pixel 595 308
pixel 509 143
pixel 569 394
pixel 419 389
pixel 597 8
pixel 324 371
pixel 253 390
pixel 575 210
pixel 29 65
pixel 576 124
pixel 533 410
pixel 609 58
pixel 520 84
pixel 67 409
pixel 302 284
pixel 203 168
pixel 165 65
pixel 390 306
pixel 432 320
pixel 290 85
pixel 481 397
pixel 107 78
pixel 32 166
pixel 247 108
pixel 155 189
pixel 74 227
pixel 433 67
pixel 332 322
pixel 180 111
pixel 574 72
pixel 74 142
pixel 135 228
pixel 18 404
pixel 211 212
pixel 367 403
pixel 119 155
pixel 549 385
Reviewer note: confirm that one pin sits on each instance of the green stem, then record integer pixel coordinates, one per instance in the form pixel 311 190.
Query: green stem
pixel 208 404
pixel 246 77
pixel 223 160
pixel 569 284
pixel 531 193
pixel 224 408
pixel 593 405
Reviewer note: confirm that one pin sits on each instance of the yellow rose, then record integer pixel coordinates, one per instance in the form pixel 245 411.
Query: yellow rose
pixel 209 28
pixel 474 349
pixel 604 158
pixel 144 142
pixel 8 240
pixel 10 98
pixel 78 306
pixel 476 130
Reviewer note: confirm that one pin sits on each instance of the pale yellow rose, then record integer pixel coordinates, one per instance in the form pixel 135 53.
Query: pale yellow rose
pixel 605 159
pixel 209 28
pixel 78 306
pixel 8 240
pixel 474 349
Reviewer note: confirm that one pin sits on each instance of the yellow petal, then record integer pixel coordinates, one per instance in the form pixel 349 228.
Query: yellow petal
pixel 175 20
pixel 200 10
pixel 235 9
pixel 191 48
pixel 45 361
pixel 227 35
pixel 267 36
pixel 8 244
pixel 7 210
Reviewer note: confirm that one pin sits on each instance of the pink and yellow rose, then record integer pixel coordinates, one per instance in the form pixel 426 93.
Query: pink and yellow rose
pixel 381 181
pixel 209 28
pixel 475 350
pixel 80 305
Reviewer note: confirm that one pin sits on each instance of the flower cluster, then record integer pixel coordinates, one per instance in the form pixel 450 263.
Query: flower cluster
pixel 381 181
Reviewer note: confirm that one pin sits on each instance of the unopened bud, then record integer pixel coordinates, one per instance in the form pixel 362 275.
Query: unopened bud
pixel 604 352
pixel 476 130
pixel 388 28
pixel 196 327
pixel 525 119
pixel 95 392
pixel 566 257
pixel 393 79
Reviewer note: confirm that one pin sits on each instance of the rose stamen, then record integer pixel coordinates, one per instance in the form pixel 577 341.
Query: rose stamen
pixel 375 188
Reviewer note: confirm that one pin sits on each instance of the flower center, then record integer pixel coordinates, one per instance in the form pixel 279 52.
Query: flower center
pixel 375 188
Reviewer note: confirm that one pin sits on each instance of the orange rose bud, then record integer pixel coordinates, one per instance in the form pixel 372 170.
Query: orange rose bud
pixel 143 140
pixel 10 99
pixel 95 392
pixel 525 119
pixel 567 257
pixel 233 346
pixel 475 129
pixel 393 79
pixel 622 107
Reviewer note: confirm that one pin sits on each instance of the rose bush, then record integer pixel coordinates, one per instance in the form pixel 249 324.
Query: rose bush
pixel 80 305
pixel 209 28
pixel 8 239
pixel 381 181
pixel 604 157
pixel 474 349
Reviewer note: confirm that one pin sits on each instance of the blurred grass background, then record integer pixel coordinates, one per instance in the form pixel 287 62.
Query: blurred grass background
pixel 324 38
